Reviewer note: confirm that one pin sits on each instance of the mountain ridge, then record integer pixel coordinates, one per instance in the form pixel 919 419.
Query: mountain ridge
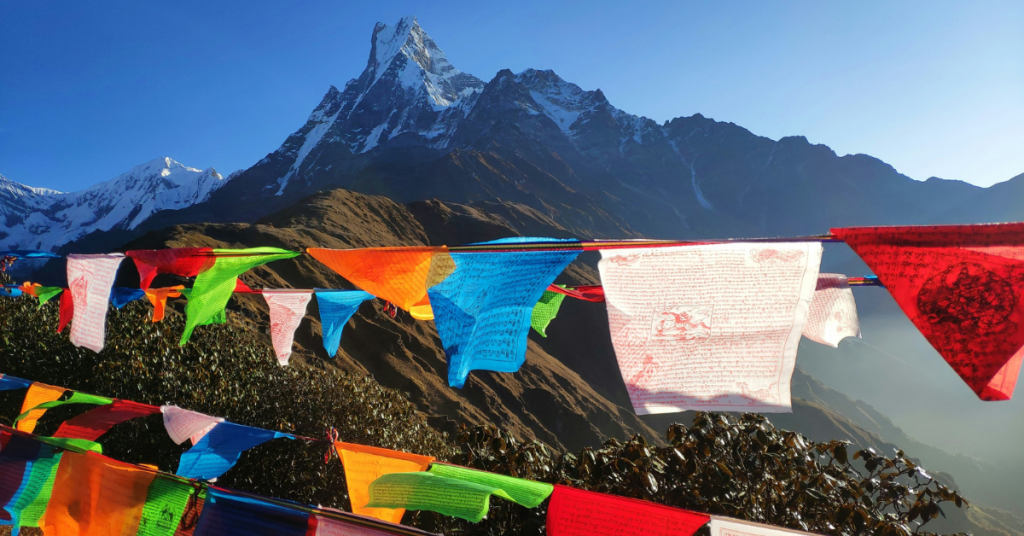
pixel 43 219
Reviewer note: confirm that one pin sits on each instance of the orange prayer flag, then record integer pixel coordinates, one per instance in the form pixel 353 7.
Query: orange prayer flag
pixel 400 275
pixel 30 288
pixel 96 496
pixel 365 464
pixel 158 297
pixel 38 393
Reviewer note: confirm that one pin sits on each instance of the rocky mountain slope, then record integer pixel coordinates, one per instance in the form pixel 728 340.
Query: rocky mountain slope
pixel 37 218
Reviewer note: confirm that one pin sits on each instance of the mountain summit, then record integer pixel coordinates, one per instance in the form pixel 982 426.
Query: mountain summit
pixel 406 89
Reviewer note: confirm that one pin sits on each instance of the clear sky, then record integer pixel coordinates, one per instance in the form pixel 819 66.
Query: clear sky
pixel 90 89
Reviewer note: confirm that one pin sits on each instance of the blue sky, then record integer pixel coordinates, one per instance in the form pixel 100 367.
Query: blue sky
pixel 89 90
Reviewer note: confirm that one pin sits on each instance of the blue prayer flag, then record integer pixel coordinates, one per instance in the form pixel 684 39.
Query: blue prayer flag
pixel 10 291
pixel 226 514
pixel 220 449
pixel 8 383
pixel 336 307
pixel 482 311
pixel 27 254
pixel 121 296
pixel 15 464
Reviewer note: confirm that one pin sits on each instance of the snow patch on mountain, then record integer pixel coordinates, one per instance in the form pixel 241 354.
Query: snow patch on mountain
pixel 38 218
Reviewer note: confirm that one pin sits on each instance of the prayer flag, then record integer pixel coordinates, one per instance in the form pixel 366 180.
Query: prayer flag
pixel 724 526
pixel 365 464
pixel 46 293
pixel 961 285
pixel 545 311
pixel 227 514
pixel 336 308
pixel 521 491
pixel 482 311
pixel 575 512
pixel 590 293
pixel 158 297
pixel 30 505
pixel 287 308
pixel 186 262
pixel 400 275
pixel 16 458
pixel 72 443
pixel 709 327
pixel 98 421
pixel 219 450
pixel 182 424
pixel 321 525
pixel 38 393
pixel 121 296
pixel 67 310
pixel 166 500
pixel 10 291
pixel 833 315
pixel 76 398
pixel 90 278
pixel 427 491
pixel 8 383
pixel 95 496
pixel 220 318
pixel 213 287
pixel 29 254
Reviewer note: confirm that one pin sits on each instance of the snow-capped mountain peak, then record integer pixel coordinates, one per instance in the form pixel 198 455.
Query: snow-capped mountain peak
pixel 407 89
pixel 38 218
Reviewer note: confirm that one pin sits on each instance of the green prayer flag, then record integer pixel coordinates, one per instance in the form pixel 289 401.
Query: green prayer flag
pixel 165 504
pixel 220 318
pixel 213 288
pixel 30 504
pixel 72 443
pixel 45 293
pixel 427 491
pixel 76 398
pixel 546 310
pixel 524 492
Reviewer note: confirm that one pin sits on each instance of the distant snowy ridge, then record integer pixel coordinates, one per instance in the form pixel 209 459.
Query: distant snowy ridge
pixel 38 218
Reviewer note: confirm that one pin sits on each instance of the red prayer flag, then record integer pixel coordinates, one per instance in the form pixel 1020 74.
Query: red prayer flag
pixel 96 422
pixel 963 287
pixel 186 262
pixel 67 310
pixel 590 293
pixel 575 512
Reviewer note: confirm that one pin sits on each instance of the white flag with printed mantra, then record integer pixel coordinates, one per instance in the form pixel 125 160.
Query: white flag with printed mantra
pixel 833 315
pixel 90 278
pixel 710 327
pixel 287 307
pixel 724 526
pixel 182 424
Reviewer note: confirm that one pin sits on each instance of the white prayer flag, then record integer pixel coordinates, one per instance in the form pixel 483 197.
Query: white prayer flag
pixel 182 424
pixel 90 278
pixel 326 526
pixel 833 315
pixel 724 526
pixel 287 307
pixel 709 327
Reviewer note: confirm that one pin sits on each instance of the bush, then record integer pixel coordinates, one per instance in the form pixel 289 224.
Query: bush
pixel 742 468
